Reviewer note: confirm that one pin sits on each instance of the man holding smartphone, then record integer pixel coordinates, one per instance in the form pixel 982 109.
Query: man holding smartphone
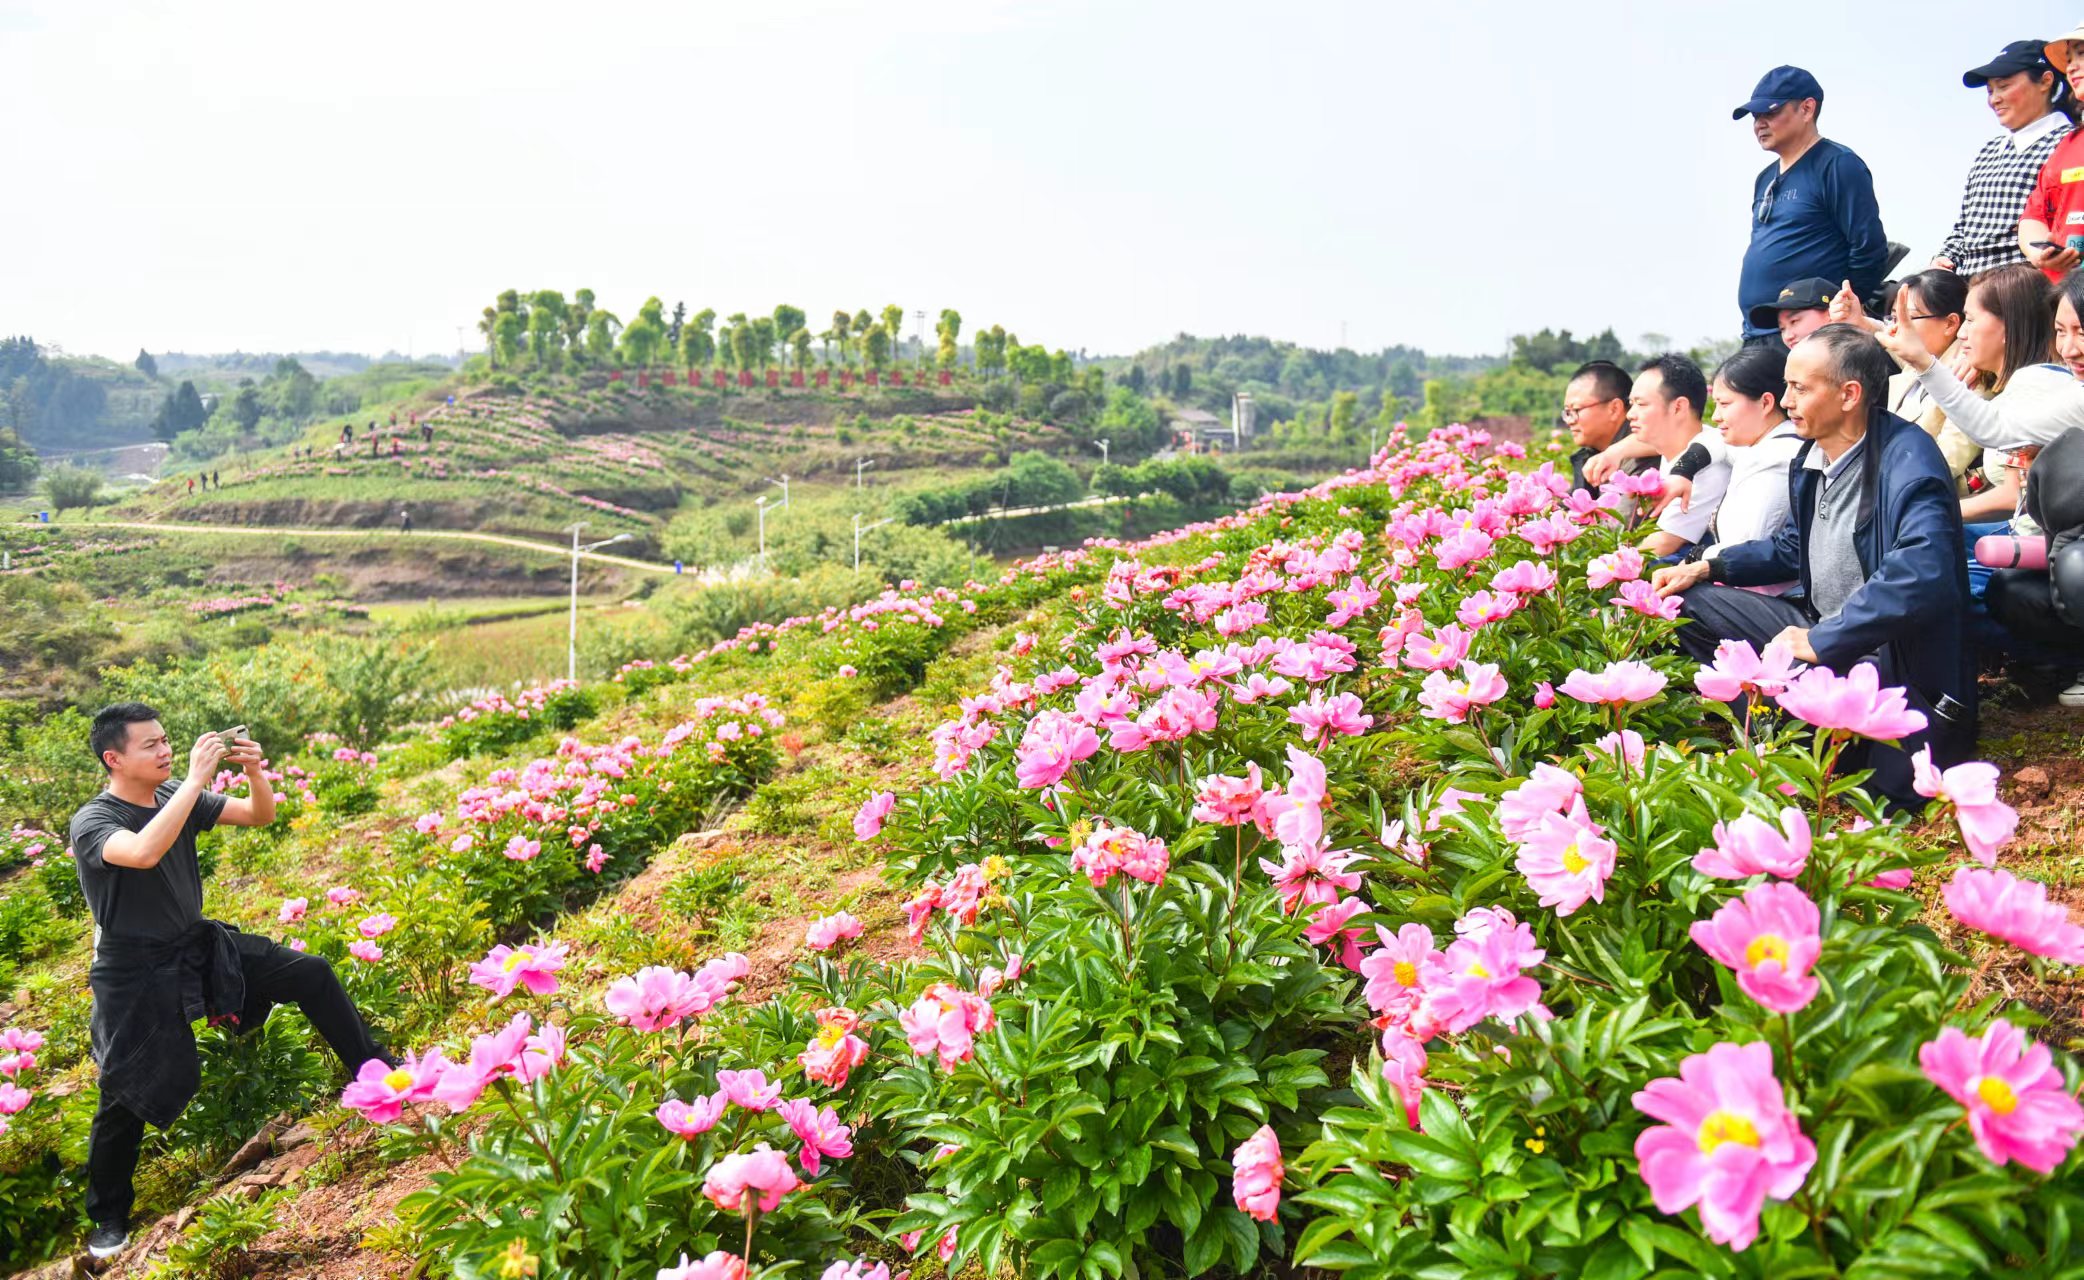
pixel 159 963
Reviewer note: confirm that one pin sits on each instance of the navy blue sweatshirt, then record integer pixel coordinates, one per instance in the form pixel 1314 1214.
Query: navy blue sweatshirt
pixel 1824 222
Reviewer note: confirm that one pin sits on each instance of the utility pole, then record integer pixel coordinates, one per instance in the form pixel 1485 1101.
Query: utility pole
pixel 859 464
pixel 920 316
pixel 571 646
pixel 860 529
pixel 1103 446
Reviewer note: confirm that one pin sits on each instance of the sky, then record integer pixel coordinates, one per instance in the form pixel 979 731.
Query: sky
pixel 1099 176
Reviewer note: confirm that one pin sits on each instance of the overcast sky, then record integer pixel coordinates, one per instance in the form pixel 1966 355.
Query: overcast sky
pixel 267 176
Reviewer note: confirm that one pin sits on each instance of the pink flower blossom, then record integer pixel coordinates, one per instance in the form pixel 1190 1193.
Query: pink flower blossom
pixel 1228 800
pixel 1396 974
pixel 1451 700
pixel 1049 746
pixel 1256 1174
pixel 1437 652
pixel 1623 565
pixel 748 1089
pixel 1544 696
pixel 1727 1142
pixel 868 820
pixel 14 1099
pixel 658 997
pixel 522 849
pixel 819 1131
pixel 860 1269
pixel 1640 597
pixel 1259 688
pixel 381 1092
pixel 763 1169
pixel 529 964
pixel 825 932
pixel 2018 911
pixel 1546 790
pixel 1525 578
pixel 1770 937
pixel 427 823
pixel 378 925
pixel 540 1054
pixel 292 910
pixel 946 1021
pixel 1618 685
pixel 1854 703
pixel 342 896
pixel 1987 823
pixel 364 950
pixel 1322 719
pixel 1749 846
pixel 1482 977
pixel 1739 669
pixel 835 1051
pixel 1482 608
pixel 1627 745
pixel 1328 928
pixel 1567 860
pixel 462 843
pixel 1110 850
pixel 719 1265
pixel 1310 875
pixel 2019 1107
pixel 1404 1066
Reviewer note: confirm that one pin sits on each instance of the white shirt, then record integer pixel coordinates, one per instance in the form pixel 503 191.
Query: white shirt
pixel 2038 403
pixel 1708 488
pixel 2027 134
pixel 1756 505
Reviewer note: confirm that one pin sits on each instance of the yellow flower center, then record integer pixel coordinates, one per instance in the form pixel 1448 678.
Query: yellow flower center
pixel 1766 946
pixel 1406 973
pixel 831 1034
pixel 515 961
pixel 1997 1095
pixel 1436 649
pixel 398 1081
pixel 1573 861
pixel 1725 1126
pixel 1478 971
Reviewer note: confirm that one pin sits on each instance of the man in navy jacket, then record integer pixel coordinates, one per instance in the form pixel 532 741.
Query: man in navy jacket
pixel 1873 535
pixel 1813 211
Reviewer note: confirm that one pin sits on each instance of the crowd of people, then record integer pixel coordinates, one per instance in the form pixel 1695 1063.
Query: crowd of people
pixel 1895 468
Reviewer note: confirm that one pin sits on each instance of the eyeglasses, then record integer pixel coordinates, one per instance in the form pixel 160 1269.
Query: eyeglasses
pixel 1572 412
pixel 1764 211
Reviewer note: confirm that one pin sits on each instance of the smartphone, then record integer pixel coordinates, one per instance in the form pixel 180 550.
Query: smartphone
pixel 232 735
pixel 2045 244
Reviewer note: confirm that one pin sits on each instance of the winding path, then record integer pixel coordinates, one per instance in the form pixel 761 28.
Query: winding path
pixel 546 548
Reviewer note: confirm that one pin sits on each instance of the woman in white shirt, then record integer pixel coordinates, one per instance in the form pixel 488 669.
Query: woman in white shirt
pixel 1761 443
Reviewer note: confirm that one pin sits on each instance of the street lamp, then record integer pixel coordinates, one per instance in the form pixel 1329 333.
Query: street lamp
pixel 860 463
pixel 1103 450
pixel 860 529
pixel 571 647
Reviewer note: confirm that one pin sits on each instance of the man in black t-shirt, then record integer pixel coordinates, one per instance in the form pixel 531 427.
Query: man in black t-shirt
pixel 159 963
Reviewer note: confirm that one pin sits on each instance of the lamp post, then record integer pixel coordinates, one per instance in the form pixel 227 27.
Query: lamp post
pixel 1104 445
pixel 860 529
pixel 761 504
pixel 571 646
pixel 860 463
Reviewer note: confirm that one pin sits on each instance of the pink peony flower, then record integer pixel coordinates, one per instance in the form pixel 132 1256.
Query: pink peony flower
pixel 825 932
pixel 1727 1143
pixel 1750 846
pixel 819 1131
pixel 868 820
pixel 1228 800
pixel 1451 700
pixel 1739 669
pixel 531 965
pixel 1110 850
pixel 540 1054
pixel 1545 791
pixel 1770 937
pixel 1310 875
pixel 522 849
pixel 381 1093
pixel 657 997
pixel 693 1118
pixel 1618 685
pixel 341 896
pixel 1544 696
pixel 1567 860
pixel 717 1266
pixel 835 1051
pixel 378 925
pixel 364 950
pixel 1436 652
pixel 1259 688
pixel 1404 1066
pixel 1623 565
pixel 462 843
pixel 1256 1174
pixel 945 1021
pixel 748 1089
pixel 1854 703
pixel 763 1169
pixel 1525 578
pixel 2018 1106
pixel 1987 823
pixel 1050 745
pixel 1328 928
pixel 293 910
pixel 860 1269
pixel 1322 719
pixel 1396 974
pixel 1481 976
pixel 2018 911
pixel 1627 745
pixel 1640 597
pixel 14 1099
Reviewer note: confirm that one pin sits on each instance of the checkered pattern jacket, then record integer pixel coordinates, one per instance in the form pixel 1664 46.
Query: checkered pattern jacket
pixel 1986 234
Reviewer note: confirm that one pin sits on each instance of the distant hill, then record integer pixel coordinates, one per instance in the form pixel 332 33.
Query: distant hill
pixel 230 366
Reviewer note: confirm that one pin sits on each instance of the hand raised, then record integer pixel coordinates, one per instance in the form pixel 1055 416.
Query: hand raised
pixel 1901 340
pixel 205 756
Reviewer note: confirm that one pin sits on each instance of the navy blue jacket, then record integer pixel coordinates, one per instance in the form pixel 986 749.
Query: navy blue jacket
pixel 1824 222
pixel 1911 613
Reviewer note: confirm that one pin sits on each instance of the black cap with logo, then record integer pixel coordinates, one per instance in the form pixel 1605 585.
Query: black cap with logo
pixel 1812 294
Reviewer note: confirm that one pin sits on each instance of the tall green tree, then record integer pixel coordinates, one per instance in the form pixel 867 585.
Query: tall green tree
pixel 644 336
pixel 764 338
pixel 68 486
pixel 546 320
pixel 787 320
pixel 876 346
pixel 146 364
pixel 842 327
pixel 576 318
pixel 743 349
pixel 488 326
pixel 602 331
pixel 894 325
pixel 799 339
pixel 948 330
pixel 697 343
pixel 509 333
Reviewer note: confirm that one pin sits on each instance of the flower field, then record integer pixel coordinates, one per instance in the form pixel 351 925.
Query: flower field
pixel 1360 883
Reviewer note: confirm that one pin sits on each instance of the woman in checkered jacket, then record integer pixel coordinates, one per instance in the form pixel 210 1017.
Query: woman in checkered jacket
pixel 2033 103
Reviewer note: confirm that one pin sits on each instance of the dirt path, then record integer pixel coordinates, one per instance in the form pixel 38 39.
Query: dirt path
pixel 546 548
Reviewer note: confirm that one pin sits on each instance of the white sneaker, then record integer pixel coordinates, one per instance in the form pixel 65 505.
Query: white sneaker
pixel 2074 695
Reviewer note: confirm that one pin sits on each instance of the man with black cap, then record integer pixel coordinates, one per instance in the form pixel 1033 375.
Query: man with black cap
pixel 1813 212
pixel 2029 98
pixel 1801 309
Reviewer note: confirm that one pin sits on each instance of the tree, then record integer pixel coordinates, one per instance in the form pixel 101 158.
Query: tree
pixel 876 346
pixel 949 330
pixel 509 330
pixel 183 411
pixel 69 486
pixel 787 320
pixel 576 318
pixel 488 326
pixel 146 364
pixel 643 336
pixel 764 338
pixel 1137 378
pixel 546 319
pixel 742 352
pixel 862 323
pixel 673 327
pixel 602 329
pixel 245 405
pixel 842 327
pixel 894 325
pixel 1392 411
pixel 799 338
pixel 697 343
pixel 1345 411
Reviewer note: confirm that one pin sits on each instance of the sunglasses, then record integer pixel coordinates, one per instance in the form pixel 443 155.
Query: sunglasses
pixel 1764 212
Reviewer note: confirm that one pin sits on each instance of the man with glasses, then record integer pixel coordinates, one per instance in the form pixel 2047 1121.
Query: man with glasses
pixel 1595 412
pixel 1813 212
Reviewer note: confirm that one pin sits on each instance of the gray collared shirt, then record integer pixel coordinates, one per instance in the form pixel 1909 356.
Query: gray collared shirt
pixel 1834 560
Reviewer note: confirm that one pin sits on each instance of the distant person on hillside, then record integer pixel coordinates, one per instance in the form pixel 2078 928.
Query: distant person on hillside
pixel 216 479
pixel 1800 310
pixel 191 486
pixel 405 519
pixel 397 446
pixel 1813 212
pixel 2034 108
pixel 1874 537
pixel 1664 408
pixel 374 443
pixel 426 433
pixel 347 433
pixel 2051 227
pixel 158 961
pixel 1595 412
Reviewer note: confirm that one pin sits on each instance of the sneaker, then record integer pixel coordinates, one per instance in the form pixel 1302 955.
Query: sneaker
pixel 108 1239
pixel 2074 695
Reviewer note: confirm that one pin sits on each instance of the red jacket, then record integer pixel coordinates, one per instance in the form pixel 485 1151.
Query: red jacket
pixel 2057 200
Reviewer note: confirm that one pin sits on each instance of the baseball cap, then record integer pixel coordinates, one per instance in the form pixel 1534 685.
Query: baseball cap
pixel 1812 294
pixel 2019 55
pixel 1781 85
pixel 2057 50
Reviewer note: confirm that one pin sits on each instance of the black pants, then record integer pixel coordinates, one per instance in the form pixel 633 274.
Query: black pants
pixel 279 976
pixel 2024 600
pixel 1716 613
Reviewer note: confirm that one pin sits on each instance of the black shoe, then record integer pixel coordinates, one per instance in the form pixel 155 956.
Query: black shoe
pixel 108 1239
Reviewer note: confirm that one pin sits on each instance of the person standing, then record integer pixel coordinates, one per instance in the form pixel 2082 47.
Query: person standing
pixel 216 479
pixel 2034 106
pixel 159 963
pixel 1813 212
pixel 405 519
pixel 2054 211
pixel 1873 535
